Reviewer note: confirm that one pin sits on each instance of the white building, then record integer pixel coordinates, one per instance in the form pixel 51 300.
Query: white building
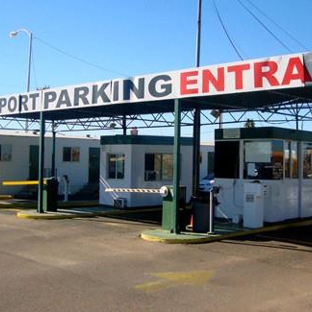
pixel 131 161
pixel 76 157
pixel 145 162
pixel 264 174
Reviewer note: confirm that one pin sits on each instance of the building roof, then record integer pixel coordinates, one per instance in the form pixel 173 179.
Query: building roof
pixel 263 133
pixel 142 140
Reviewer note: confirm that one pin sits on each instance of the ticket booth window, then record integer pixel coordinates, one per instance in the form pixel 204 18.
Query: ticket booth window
pixel 116 166
pixel 263 160
pixel 158 167
pixel 227 159
pixel 307 160
pixel 291 159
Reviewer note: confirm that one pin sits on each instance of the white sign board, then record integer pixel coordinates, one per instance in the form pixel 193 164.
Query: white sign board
pixel 272 73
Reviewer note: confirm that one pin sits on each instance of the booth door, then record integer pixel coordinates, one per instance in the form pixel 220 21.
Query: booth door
pixel 94 164
pixel 33 162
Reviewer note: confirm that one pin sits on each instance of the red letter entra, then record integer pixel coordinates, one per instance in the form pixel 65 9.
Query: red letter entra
pixel 185 82
pixel 265 70
pixel 295 71
pixel 217 82
pixel 238 72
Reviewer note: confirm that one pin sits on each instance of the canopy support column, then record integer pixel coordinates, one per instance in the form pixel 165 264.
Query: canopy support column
pixel 41 164
pixel 196 151
pixel 176 165
pixel 124 125
pixel 53 172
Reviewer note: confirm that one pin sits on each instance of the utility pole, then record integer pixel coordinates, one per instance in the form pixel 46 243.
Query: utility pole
pixel 197 112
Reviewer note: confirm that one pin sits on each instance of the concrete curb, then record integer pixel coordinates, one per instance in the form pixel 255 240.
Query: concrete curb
pixel 162 236
pixel 6 197
pixel 61 205
pixel 73 215
pixel 48 216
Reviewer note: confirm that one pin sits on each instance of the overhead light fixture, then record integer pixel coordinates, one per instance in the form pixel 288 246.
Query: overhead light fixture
pixel 112 125
pixel 215 113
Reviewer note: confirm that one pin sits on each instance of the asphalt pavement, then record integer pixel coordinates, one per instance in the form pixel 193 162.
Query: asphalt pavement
pixel 102 264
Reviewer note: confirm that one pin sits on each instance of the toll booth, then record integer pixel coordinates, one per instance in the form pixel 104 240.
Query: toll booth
pixel 264 174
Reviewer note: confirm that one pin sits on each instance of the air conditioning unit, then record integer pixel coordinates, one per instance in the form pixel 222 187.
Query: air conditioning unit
pixel 120 202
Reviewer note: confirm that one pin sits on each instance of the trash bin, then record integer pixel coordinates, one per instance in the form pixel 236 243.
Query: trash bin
pixel 50 194
pixel 200 208
pixel 167 210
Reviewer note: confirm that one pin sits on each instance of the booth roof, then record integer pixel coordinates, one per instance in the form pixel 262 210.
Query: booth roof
pixel 142 140
pixel 263 133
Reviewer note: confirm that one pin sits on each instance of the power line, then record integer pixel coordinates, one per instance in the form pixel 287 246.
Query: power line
pixel 263 25
pixel 278 26
pixel 225 30
pixel 79 59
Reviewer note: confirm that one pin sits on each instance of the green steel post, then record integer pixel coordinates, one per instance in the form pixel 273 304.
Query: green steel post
pixel 41 164
pixel 176 165
pixel 124 125
pixel 196 151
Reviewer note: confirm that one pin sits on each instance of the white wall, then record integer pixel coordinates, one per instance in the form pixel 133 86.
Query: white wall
pixel 77 172
pixel 18 167
pixel 135 171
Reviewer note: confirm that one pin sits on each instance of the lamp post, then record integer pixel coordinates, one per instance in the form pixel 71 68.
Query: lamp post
pixel 29 34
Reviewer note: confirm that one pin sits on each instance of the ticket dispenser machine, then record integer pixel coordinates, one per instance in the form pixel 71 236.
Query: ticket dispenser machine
pixel 253 204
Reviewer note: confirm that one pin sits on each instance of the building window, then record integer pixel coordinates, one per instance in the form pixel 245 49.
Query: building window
pixel 5 152
pixel 116 166
pixel 71 153
pixel 227 159
pixel 307 160
pixel 291 162
pixel 264 160
pixel 158 167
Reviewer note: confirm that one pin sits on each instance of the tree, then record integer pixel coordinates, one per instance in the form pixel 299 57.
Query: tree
pixel 249 123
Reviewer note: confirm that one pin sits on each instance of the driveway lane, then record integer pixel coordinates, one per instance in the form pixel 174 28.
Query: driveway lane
pixel 97 264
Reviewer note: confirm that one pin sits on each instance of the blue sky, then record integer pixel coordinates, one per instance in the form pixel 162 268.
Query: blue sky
pixel 129 38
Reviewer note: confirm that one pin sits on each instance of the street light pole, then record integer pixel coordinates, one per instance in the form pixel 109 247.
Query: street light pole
pixel 29 34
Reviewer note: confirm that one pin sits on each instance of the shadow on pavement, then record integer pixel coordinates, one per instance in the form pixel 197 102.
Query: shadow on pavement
pixel 290 238
pixel 148 217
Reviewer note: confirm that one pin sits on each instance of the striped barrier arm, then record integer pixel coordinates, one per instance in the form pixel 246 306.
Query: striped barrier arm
pixel 132 190
pixel 163 191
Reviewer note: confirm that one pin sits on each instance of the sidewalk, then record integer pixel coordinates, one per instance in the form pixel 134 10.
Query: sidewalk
pixel 221 232
pixel 72 213
pixel 89 209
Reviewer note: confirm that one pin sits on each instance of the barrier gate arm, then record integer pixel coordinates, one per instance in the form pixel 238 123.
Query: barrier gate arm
pixel 163 191
pixel 26 182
